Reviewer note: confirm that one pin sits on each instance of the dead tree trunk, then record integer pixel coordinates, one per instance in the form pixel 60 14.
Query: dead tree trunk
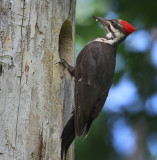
pixel 35 93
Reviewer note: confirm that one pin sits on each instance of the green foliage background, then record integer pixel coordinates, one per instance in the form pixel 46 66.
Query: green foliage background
pixel 139 68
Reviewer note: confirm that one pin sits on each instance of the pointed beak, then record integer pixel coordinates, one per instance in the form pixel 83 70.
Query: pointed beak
pixel 103 22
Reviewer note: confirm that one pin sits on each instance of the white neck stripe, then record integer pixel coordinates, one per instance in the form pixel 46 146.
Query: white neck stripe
pixel 104 40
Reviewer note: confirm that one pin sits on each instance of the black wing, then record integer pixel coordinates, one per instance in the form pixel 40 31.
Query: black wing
pixel 93 77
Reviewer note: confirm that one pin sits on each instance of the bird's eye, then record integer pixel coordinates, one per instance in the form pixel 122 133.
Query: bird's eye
pixel 113 23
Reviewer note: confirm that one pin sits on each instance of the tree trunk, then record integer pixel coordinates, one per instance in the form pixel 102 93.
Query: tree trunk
pixel 35 93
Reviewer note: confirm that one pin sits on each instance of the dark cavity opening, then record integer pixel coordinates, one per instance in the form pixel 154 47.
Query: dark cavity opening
pixel 66 41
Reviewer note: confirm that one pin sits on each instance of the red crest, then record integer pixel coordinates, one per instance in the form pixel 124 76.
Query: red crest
pixel 127 27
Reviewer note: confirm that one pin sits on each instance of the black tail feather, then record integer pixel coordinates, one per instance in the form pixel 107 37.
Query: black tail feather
pixel 67 137
pixel 87 128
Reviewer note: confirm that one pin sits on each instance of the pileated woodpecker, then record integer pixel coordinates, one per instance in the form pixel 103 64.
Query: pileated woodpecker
pixel 93 74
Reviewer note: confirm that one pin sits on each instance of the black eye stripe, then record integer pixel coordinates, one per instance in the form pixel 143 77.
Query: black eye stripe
pixel 115 25
pixel 109 28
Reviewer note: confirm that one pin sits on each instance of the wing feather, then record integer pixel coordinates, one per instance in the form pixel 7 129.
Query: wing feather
pixel 93 75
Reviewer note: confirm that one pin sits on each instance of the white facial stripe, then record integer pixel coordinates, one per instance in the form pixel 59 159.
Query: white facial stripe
pixel 109 35
pixel 112 28
pixel 118 34
pixel 111 39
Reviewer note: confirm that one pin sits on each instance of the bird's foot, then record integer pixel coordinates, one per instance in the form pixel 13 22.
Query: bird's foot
pixel 63 63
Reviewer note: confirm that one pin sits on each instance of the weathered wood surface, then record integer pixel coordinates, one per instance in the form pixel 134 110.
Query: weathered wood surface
pixel 35 93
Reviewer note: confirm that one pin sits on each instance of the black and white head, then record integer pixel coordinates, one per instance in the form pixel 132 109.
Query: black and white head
pixel 117 30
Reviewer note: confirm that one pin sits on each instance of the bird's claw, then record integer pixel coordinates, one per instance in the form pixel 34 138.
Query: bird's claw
pixel 62 62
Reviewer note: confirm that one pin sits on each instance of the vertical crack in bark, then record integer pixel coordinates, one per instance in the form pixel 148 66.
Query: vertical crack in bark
pixel 28 26
pixel 42 146
pixel 1 69
pixel 22 52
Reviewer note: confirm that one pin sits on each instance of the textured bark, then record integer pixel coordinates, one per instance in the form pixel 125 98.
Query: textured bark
pixel 35 93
